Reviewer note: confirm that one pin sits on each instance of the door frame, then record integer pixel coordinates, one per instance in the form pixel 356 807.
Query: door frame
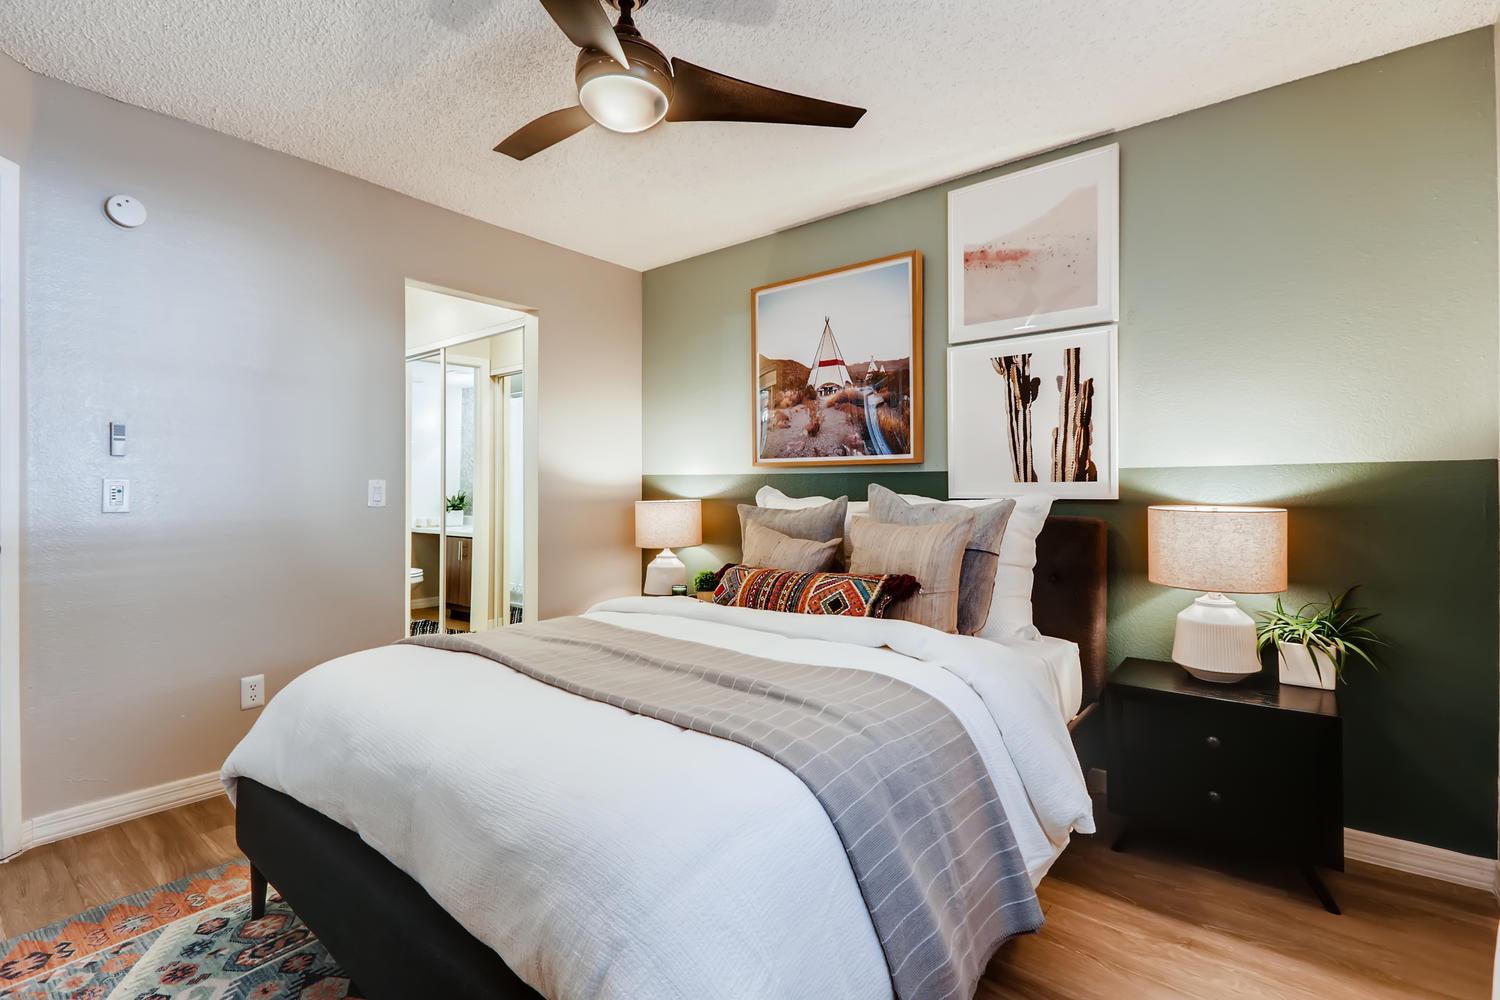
pixel 10 512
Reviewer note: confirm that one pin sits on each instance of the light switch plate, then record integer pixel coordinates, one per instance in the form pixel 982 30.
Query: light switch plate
pixel 115 496
pixel 375 493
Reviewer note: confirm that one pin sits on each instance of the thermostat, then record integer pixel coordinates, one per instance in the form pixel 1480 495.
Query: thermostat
pixel 125 211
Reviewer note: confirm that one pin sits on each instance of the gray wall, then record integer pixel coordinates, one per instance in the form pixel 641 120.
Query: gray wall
pixel 1308 318
pixel 251 337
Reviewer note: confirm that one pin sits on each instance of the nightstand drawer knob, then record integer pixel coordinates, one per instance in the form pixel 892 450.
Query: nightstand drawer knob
pixel 1215 798
pixel 1213 742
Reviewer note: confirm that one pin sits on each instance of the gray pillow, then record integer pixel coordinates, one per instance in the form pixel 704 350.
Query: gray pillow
pixel 822 523
pixel 933 553
pixel 981 558
pixel 767 548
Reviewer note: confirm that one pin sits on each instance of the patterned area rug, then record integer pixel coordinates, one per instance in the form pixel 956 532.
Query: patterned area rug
pixel 192 939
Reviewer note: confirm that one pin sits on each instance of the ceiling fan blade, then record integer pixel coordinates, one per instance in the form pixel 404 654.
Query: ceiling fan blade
pixel 548 130
pixel 587 26
pixel 701 95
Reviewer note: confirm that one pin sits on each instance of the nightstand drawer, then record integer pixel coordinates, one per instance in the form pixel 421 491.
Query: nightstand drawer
pixel 1210 740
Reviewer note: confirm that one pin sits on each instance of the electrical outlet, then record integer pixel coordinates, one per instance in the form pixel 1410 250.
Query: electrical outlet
pixel 252 691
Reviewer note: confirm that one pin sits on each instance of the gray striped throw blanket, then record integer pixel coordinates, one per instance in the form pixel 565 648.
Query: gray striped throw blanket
pixel 926 835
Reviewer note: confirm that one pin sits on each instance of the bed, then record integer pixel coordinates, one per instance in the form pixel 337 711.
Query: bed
pixel 328 845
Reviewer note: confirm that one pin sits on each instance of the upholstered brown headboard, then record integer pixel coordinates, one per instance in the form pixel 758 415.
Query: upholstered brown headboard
pixel 1069 595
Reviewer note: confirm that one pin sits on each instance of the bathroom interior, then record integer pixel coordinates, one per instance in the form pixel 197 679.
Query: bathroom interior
pixel 465 379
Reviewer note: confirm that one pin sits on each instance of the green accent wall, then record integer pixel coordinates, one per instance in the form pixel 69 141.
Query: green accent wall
pixel 1309 318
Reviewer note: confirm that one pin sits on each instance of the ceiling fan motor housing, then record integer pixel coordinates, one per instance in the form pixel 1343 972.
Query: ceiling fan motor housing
pixel 646 62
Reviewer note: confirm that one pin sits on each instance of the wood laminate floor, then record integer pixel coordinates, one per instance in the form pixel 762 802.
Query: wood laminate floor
pixel 1154 921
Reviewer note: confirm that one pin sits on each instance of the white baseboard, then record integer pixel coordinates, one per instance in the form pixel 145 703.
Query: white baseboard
pixel 423 602
pixel 97 815
pixel 1420 859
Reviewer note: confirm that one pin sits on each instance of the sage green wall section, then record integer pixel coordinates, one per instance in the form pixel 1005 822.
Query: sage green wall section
pixel 1307 274
pixel 1420 539
pixel 1309 318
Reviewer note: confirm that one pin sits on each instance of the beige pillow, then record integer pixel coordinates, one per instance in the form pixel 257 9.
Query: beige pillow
pixel 766 548
pixel 976 584
pixel 933 553
pixel 817 524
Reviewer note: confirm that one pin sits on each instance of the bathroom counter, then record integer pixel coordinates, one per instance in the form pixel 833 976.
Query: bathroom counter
pixel 460 531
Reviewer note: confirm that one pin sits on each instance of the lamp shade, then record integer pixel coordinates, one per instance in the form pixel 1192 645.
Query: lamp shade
pixel 1233 550
pixel 668 524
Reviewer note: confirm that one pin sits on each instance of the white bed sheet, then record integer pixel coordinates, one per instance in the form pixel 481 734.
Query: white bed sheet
pixel 608 856
pixel 1060 661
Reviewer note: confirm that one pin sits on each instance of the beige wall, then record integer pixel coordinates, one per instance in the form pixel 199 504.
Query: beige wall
pixel 251 337
pixel 17 96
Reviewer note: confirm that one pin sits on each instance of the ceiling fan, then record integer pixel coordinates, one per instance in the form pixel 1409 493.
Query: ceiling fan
pixel 626 84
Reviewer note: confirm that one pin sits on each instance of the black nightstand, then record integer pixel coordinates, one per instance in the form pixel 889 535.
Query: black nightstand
pixel 1256 765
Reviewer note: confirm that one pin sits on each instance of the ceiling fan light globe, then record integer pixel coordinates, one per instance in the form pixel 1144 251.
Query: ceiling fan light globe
pixel 622 102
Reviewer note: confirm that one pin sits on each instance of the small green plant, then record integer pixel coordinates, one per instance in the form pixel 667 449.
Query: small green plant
pixel 705 581
pixel 1336 629
pixel 458 501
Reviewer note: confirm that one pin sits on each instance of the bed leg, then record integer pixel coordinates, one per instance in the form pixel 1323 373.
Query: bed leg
pixel 257 894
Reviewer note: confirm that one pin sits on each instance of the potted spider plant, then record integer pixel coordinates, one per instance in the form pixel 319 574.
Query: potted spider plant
pixel 1315 642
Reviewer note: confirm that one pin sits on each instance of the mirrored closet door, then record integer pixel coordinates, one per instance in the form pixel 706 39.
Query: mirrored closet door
pixel 465 485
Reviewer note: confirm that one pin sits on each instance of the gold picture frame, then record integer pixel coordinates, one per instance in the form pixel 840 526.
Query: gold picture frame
pixel 813 406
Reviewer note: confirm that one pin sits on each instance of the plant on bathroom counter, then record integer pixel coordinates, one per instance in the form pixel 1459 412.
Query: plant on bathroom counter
pixel 1335 630
pixel 458 501
pixel 706 580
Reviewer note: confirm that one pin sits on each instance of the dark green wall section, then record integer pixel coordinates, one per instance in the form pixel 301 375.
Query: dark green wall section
pixel 1420 537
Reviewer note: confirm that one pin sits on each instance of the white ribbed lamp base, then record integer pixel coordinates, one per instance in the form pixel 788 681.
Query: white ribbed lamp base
pixel 662 572
pixel 1215 640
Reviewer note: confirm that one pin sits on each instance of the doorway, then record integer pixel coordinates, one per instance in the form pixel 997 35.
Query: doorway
pixel 10 508
pixel 471 531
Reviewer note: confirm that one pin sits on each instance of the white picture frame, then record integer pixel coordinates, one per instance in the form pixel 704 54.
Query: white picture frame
pixel 1036 250
pixel 992 431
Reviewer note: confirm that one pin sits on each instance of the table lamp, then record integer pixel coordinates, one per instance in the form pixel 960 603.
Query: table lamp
pixel 1239 550
pixel 667 524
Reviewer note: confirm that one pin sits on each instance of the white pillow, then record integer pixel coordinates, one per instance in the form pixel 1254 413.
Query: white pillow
pixel 1010 607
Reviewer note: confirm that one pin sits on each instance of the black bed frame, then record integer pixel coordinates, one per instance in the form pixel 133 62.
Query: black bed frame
pixel 396 943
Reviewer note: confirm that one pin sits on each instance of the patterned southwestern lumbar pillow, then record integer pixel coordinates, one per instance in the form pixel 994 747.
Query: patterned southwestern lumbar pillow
pixel 856 596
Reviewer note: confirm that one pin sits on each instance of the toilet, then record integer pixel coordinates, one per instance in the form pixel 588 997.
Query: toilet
pixel 414 575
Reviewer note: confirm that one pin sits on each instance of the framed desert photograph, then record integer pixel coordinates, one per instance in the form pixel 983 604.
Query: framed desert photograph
pixel 1036 250
pixel 1034 414
pixel 838 366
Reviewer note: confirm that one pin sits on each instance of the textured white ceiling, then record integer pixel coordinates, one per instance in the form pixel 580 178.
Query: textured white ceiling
pixel 412 95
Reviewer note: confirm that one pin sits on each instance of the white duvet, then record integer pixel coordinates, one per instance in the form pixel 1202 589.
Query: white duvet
pixel 608 856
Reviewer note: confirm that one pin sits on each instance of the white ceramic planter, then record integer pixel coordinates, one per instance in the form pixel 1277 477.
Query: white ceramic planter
pixel 1303 667
pixel 455 519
